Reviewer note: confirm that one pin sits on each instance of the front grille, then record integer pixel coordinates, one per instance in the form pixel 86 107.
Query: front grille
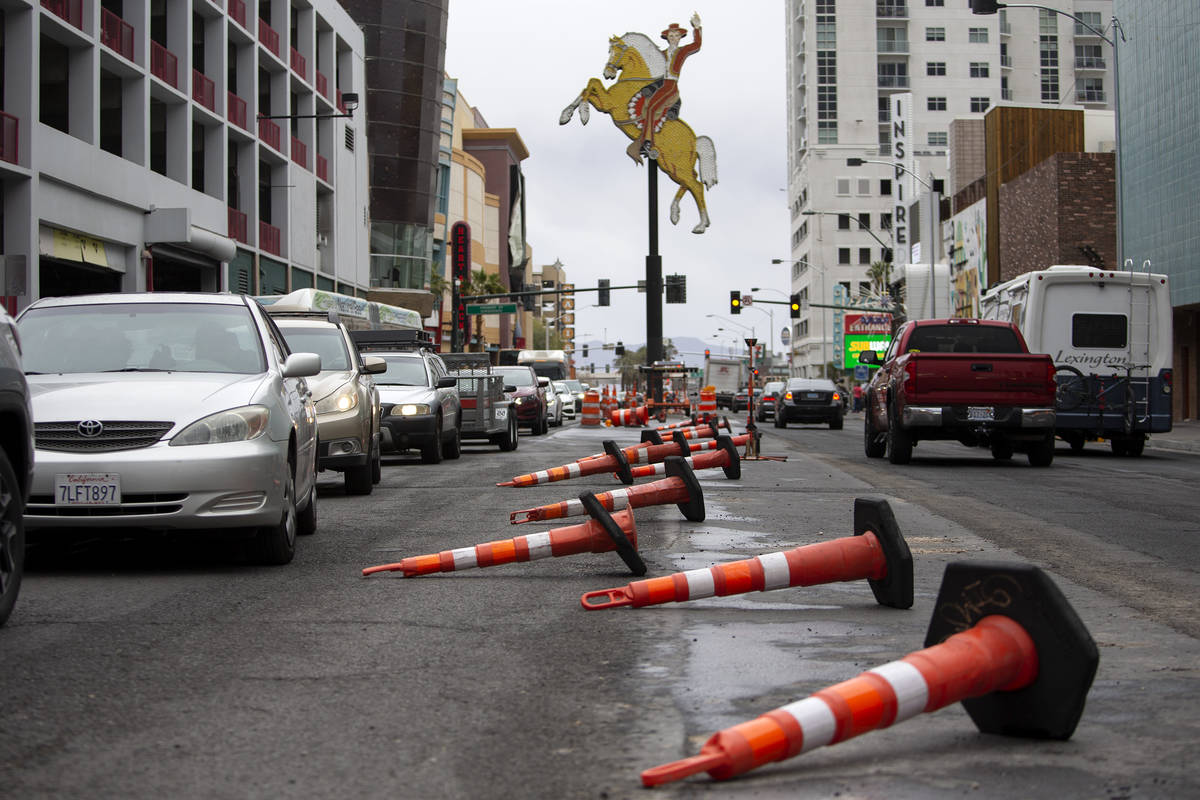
pixel 64 437
pixel 42 505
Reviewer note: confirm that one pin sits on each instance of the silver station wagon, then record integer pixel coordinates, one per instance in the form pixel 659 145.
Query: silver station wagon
pixel 170 411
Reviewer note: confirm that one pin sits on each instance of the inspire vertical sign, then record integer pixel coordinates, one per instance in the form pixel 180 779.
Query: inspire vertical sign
pixel 902 132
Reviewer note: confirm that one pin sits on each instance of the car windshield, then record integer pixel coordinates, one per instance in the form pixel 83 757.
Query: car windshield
pixel 561 388
pixel 141 337
pixel 573 386
pixel 403 371
pixel 326 341
pixel 517 376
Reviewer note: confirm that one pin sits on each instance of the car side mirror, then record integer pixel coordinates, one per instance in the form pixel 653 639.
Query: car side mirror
pixel 301 365
pixel 868 357
pixel 509 389
pixel 543 382
pixel 446 383
pixel 374 365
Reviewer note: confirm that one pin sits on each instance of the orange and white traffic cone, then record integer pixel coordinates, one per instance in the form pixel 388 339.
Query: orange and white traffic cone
pixel 725 456
pixel 876 553
pixel 679 487
pixel 1003 640
pixel 614 460
pixel 630 417
pixel 603 533
pixel 709 444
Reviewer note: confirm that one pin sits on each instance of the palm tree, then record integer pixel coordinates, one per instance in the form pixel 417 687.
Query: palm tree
pixel 481 282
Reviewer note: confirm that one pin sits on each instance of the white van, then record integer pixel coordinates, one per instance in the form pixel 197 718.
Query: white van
pixel 1109 333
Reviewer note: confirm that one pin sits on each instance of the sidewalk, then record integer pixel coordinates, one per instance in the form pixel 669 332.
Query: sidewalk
pixel 1184 437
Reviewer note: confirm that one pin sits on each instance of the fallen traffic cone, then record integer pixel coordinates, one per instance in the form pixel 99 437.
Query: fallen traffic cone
pixel 709 444
pixel 652 436
pixel 679 487
pixel 630 417
pixel 725 455
pixel 876 552
pixel 602 534
pixel 634 452
pixel 1003 640
pixel 614 460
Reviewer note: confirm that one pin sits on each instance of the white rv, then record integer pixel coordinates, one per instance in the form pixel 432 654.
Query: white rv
pixel 1109 333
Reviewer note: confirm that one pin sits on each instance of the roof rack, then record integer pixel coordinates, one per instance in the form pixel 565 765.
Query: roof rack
pixel 329 316
pixel 392 340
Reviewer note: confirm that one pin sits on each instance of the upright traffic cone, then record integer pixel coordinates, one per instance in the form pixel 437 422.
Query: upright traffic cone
pixel 1003 640
pixel 603 533
pixel 615 460
pixel 725 456
pixel 876 553
pixel 679 487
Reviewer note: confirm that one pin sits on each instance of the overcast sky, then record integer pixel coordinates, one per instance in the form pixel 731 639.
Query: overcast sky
pixel 520 62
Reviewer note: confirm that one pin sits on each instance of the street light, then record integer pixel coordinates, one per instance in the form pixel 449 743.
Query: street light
pixel 988 7
pixel 349 100
pixel 934 214
pixel 824 349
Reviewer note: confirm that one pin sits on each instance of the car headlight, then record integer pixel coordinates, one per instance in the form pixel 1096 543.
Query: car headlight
pixel 344 399
pixel 522 400
pixel 234 425
pixel 409 409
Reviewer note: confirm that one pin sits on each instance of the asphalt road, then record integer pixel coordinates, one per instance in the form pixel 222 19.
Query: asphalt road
pixel 142 668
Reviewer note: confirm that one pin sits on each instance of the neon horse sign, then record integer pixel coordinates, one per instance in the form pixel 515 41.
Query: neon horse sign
pixel 637 65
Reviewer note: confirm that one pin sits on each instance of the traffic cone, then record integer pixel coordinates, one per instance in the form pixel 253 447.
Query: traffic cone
pixel 614 461
pixel 876 552
pixel 710 444
pixel 679 487
pixel 633 452
pixel 1003 640
pixel 725 455
pixel 630 417
pixel 603 533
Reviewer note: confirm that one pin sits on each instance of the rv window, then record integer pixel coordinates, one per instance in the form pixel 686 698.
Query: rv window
pixel 1099 330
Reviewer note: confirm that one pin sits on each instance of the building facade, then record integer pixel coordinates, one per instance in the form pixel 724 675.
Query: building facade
pixel 946 64
pixel 170 145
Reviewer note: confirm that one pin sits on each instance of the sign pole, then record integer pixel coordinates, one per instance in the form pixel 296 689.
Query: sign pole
pixel 654 343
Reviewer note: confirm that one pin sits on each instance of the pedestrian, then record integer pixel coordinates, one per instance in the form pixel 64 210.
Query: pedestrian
pixel 858 400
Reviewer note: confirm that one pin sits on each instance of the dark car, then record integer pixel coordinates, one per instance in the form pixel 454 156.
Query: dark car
pixel 810 400
pixel 741 400
pixel 528 396
pixel 765 406
pixel 16 464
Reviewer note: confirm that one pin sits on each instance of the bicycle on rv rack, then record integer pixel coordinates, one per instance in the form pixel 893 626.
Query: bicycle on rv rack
pixel 1108 398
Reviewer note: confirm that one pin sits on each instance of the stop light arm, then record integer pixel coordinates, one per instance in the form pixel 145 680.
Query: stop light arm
pixel 474 297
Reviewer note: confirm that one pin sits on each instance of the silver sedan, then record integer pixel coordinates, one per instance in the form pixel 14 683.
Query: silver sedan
pixel 170 411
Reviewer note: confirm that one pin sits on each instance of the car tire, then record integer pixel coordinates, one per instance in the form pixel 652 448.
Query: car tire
pixel 780 420
pixel 376 462
pixel 358 480
pixel 1041 454
pixel 431 452
pixel 836 423
pixel 453 447
pixel 275 545
pixel 512 436
pixel 899 442
pixel 306 520
pixel 874 445
pixel 1002 450
pixel 12 537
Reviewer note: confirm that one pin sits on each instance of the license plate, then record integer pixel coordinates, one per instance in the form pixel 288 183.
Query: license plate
pixel 812 395
pixel 87 489
pixel 502 412
pixel 981 413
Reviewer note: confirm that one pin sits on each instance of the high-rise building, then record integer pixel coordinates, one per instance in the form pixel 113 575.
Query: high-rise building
pixel 944 63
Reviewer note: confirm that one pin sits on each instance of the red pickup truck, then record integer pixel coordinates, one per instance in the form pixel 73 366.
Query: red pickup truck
pixel 969 380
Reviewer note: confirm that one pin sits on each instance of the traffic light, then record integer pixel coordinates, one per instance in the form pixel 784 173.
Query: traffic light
pixel 620 349
pixel 795 306
pixel 706 353
pixel 585 351
pixel 676 288
pixel 735 302
pixel 603 293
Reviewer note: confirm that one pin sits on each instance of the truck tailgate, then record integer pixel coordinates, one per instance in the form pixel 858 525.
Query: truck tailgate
pixel 980 379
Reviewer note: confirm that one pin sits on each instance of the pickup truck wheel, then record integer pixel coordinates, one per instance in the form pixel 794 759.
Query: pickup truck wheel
pixel 1002 450
pixel 1041 454
pixel 899 443
pixel 873 443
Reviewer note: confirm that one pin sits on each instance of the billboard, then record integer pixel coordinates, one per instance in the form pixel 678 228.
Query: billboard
pixel 865 330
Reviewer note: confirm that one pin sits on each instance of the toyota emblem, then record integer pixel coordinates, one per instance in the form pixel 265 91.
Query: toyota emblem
pixel 91 428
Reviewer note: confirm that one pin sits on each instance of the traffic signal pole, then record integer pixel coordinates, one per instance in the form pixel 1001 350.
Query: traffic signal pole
pixel 654 312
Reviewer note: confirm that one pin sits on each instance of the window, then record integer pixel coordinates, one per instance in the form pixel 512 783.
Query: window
pixel 885 187
pixel 864 221
pixel 935 34
pixel 935 104
pixel 1088 56
pixel 891 74
pixel 937 139
pixel 1092 18
pixel 1099 330
pixel 827 132
pixel 939 185
pixel 826 35
pixel 980 104
pixel 935 3
pixel 1090 90
pixel 979 69
pixel 1048 55
pixel 885 221
pixel 977 35
pixel 864 186
pixel 843 222
pixel 864 255
pixel 843 186
pixel 843 255
pixel 935 68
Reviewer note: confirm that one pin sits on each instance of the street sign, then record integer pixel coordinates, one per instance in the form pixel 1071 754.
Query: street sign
pixel 492 308
pixel 862 372
pixel 568 304
pixel 567 319
pixel 747 300
pixel 785 336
